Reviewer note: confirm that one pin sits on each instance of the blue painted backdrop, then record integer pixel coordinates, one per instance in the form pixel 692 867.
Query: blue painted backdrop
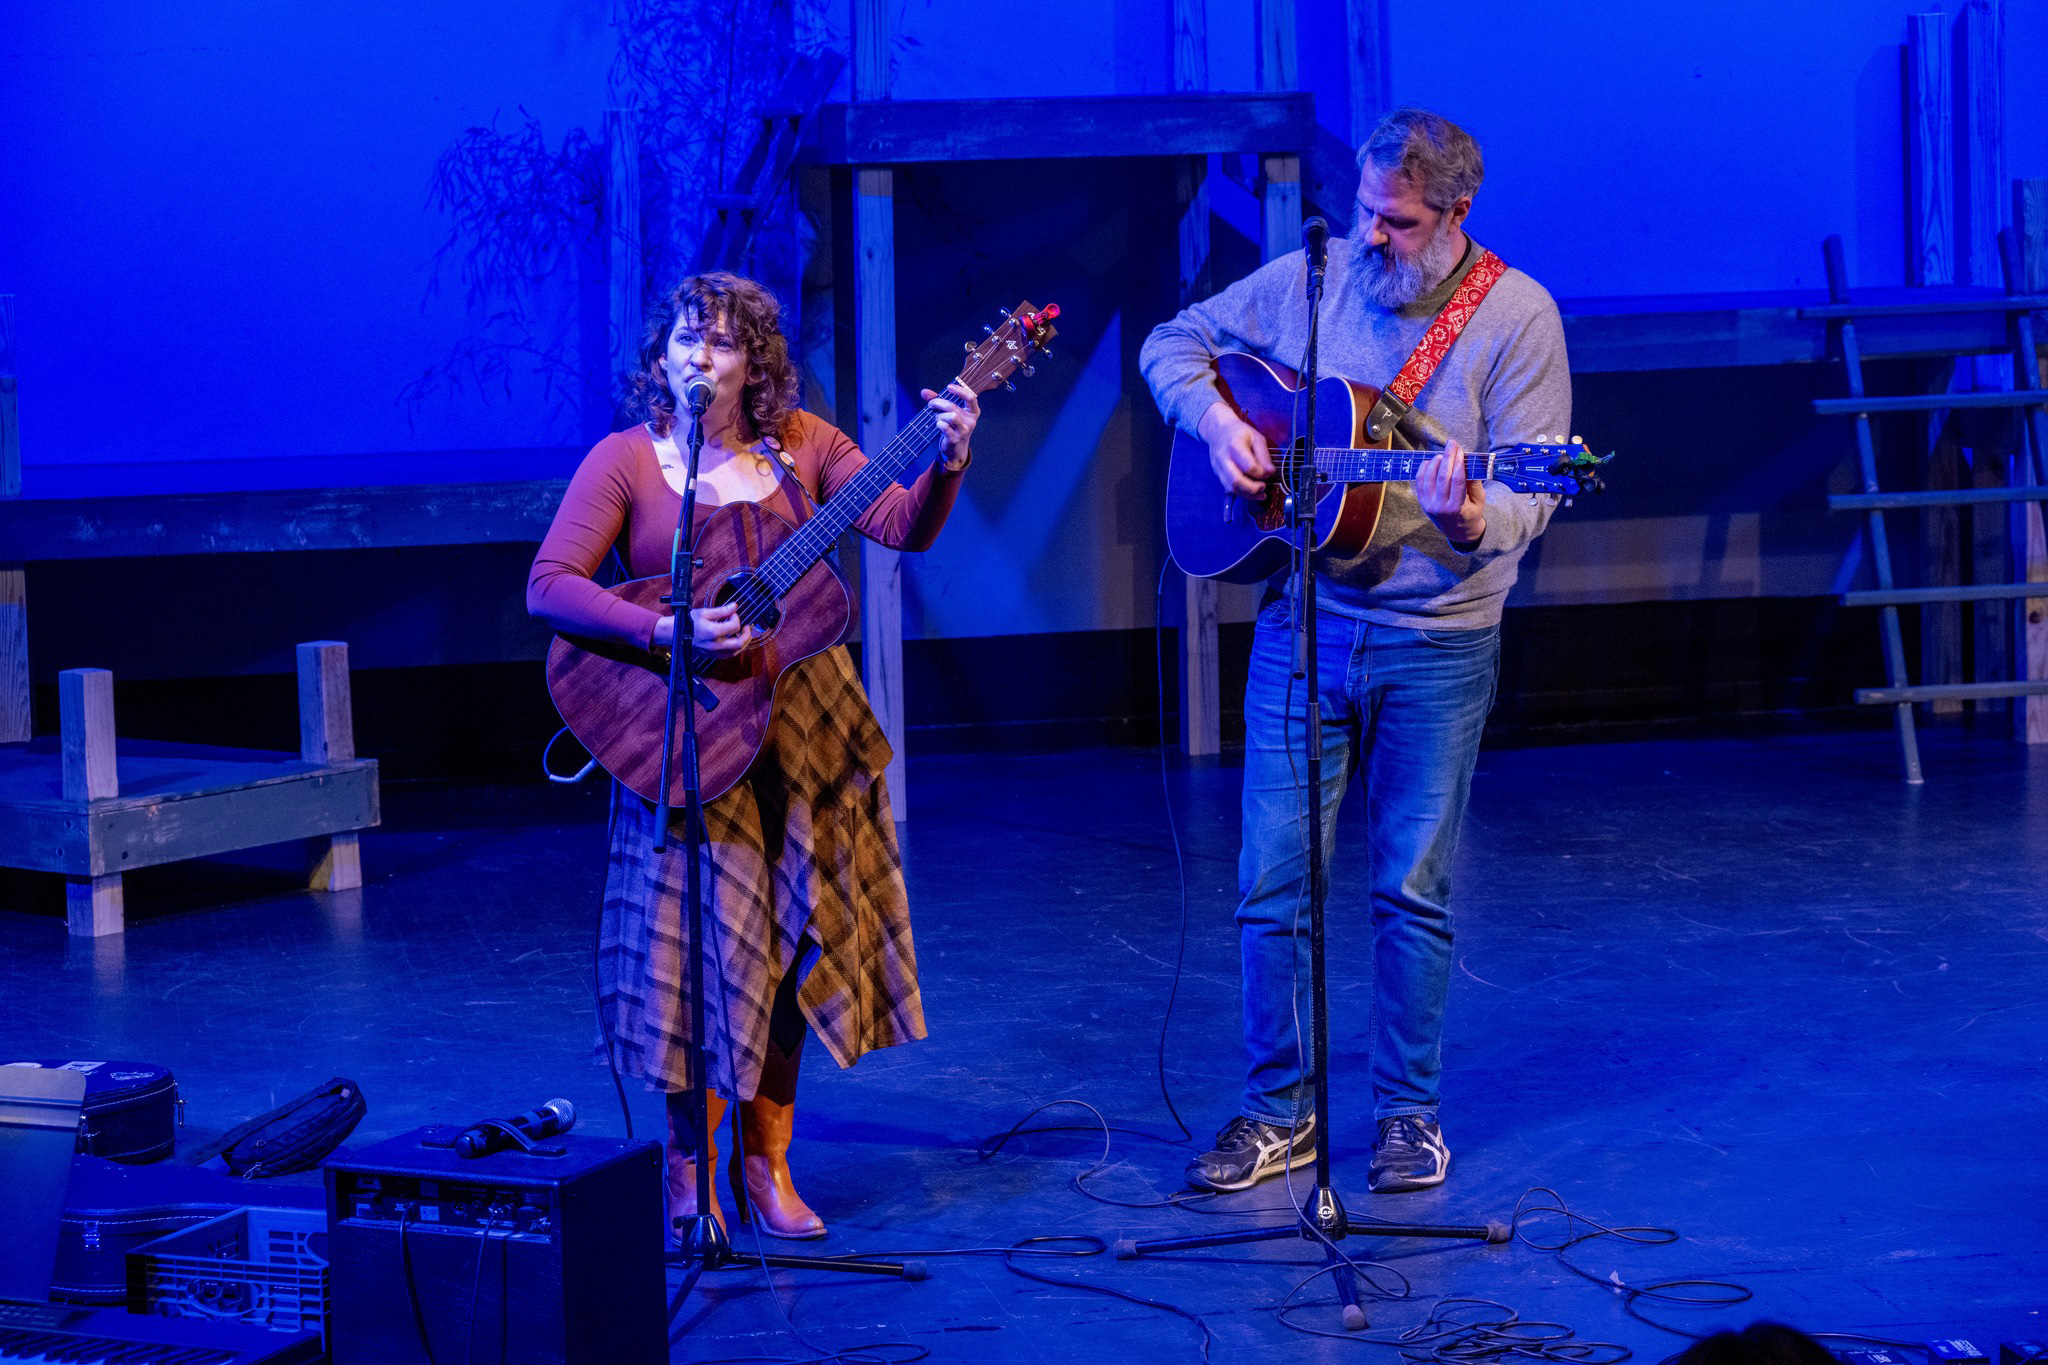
pixel 216 222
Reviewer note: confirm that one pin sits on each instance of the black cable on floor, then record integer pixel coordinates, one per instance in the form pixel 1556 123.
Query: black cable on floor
pixel 1010 1264
pixel 1459 1331
pixel 1683 1293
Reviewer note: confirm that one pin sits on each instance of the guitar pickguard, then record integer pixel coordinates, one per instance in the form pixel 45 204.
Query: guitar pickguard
pixel 1269 513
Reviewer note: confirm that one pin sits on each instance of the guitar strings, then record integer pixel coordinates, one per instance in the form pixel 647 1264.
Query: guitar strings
pixel 760 589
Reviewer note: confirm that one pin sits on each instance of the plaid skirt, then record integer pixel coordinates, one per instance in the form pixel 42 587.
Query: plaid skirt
pixel 804 847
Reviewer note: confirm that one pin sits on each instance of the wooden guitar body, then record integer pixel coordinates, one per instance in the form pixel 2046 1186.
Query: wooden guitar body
pixel 1215 534
pixel 612 696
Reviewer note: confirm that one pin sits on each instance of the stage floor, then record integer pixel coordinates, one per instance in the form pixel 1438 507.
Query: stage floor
pixel 1754 990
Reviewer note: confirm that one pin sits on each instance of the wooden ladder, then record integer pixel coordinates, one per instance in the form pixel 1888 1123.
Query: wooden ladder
pixel 738 211
pixel 1841 314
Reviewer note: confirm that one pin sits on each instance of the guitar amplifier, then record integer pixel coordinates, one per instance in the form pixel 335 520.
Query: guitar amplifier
pixel 550 1258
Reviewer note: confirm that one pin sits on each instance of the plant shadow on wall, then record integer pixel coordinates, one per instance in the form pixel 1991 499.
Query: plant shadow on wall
pixel 528 239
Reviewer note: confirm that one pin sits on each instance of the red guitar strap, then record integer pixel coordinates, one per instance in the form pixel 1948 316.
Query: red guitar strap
pixel 1398 398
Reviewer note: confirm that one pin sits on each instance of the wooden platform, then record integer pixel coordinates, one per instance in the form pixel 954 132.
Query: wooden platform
pixel 175 801
pixel 90 808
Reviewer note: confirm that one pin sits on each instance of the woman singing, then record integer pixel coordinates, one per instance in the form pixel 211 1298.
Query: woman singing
pixel 812 928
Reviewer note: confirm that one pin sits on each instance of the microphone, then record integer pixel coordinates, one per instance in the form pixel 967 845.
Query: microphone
pixel 498 1135
pixel 1315 240
pixel 697 391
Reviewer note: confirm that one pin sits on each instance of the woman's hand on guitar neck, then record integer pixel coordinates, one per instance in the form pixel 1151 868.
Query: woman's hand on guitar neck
pixel 714 630
pixel 1237 452
pixel 1455 503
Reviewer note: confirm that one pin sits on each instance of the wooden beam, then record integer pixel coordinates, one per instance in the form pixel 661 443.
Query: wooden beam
pixel 874 381
pixel 871 44
pixel 15 723
pixel 622 237
pixel 85 700
pixel 291 519
pixel 1190 45
pixel 15 711
pixel 1277 68
pixel 327 736
pixel 1201 699
pixel 1931 214
pixel 1365 29
pixel 881 569
pixel 1280 205
pixel 1980 139
pixel 2028 273
pixel 10 417
pixel 92 904
pixel 1930 173
pixel 901 132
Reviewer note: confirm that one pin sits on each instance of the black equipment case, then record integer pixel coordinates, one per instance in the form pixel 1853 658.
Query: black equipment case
pixel 131 1108
pixel 112 1209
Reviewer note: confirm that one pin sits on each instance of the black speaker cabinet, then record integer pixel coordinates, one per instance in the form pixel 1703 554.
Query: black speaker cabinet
pixel 529 1259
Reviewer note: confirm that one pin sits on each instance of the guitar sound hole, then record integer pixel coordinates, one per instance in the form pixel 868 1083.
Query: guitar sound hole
pixel 756 599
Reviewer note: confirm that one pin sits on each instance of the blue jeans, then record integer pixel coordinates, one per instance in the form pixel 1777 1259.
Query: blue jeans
pixel 1405 708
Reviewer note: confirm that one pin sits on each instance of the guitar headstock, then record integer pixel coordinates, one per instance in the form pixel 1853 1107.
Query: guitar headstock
pixel 1008 349
pixel 1566 467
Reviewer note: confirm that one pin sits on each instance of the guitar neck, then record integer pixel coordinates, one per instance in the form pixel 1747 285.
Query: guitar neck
pixel 816 537
pixel 1340 464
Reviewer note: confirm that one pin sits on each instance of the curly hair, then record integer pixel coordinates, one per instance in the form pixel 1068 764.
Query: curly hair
pixel 769 399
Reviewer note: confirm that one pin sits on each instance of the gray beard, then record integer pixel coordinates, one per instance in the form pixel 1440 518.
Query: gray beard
pixel 1391 280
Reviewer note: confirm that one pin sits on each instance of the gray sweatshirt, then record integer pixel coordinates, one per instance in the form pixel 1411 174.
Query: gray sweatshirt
pixel 1504 382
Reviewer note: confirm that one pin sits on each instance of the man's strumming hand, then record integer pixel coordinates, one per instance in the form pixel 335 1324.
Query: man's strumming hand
pixel 1237 452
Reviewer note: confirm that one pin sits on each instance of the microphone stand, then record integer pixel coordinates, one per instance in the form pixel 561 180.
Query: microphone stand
pixel 1321 1218
pixel 703 1243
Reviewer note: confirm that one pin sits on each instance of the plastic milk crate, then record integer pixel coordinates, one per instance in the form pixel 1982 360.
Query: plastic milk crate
pixel 266 1267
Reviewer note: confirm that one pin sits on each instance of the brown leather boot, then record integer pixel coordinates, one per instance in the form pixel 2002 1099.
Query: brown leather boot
pixel 682 1166
pixel 766 1123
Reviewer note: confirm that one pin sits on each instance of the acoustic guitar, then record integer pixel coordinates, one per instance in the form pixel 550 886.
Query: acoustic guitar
pixel 613 697
pixel 1212 533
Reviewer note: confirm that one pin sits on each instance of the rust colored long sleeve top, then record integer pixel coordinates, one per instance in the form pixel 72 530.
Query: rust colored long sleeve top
pixel 620 496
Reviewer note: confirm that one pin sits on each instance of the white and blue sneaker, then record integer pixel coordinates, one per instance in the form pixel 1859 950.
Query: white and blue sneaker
pixel 1248 1150
pixel 1409 1155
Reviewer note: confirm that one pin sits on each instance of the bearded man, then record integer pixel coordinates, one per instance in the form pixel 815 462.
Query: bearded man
pixel 1408 629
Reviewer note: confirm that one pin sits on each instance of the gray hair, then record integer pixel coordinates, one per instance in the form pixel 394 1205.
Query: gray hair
pixel 1432 153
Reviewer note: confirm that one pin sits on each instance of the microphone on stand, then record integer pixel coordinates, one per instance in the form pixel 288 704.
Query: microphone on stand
pixel 1315 240
pixel 497 1135
pixel 697 391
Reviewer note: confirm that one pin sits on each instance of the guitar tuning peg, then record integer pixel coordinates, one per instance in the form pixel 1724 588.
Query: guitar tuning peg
pixel 1008 385
pixel 967 346
pixel 1028 371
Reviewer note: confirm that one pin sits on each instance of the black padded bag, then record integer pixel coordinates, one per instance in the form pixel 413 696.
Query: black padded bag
pixel 295 1136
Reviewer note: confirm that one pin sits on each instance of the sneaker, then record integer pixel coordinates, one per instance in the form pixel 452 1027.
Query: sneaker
pixel 1409 1155
pixel 1247 1151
